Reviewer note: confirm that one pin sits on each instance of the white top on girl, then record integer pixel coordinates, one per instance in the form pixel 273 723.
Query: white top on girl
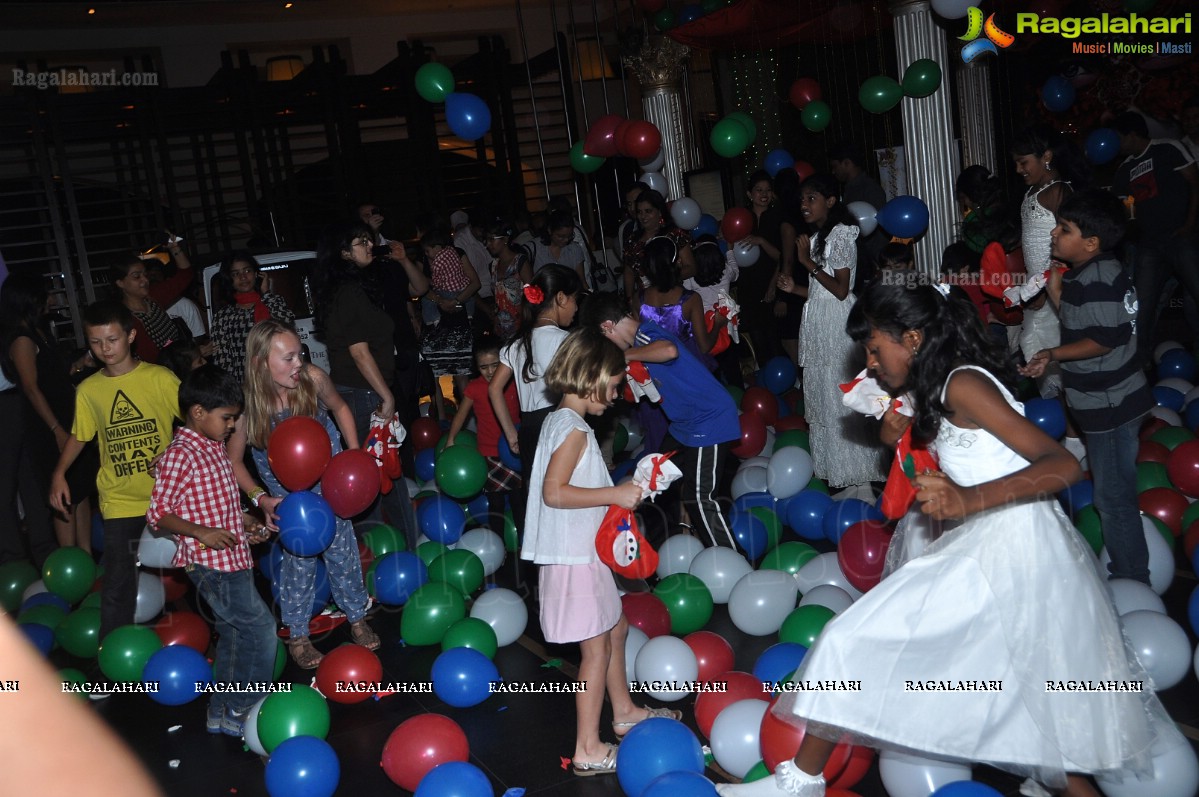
pixel 533 395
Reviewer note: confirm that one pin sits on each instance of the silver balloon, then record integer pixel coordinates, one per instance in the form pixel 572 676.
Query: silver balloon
pixel 633 643
pixel 1175 772
pixel 1131 596
pixel 35 588
pixel 952 9
pixel 1166 414
pixel 485 544
pixel 905 775
pixel 789 471
pixel 151 596
pixel 1161 646
pixel 249 731
pixel 654 164
pixel 720 569
pixel 828 596
pixel 656 182
pixel 1174 383
pixel 864 214
pixel 750 480
pixel 686 213
pixel 669 661
pixel 504 611
pixel 824 569
pixel 754 462
pixel 746 254
pixel 735 736
pixel 677 553
pixel 154 550
pixel 761 601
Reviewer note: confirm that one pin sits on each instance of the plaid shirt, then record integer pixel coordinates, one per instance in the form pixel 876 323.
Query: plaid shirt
pixel 195 482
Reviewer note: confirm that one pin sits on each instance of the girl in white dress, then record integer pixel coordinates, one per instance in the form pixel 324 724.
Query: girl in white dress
pixel 967 651
pixel 845 449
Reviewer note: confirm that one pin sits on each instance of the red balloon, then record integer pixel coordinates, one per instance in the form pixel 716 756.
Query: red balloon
pixel 789 423
pixel 862 552
pixel 618 135
pixel 298 451
pixel 761 402
pixel 1190 540
pixel 804 170
pixel 1150 426
pixel 348 664
pixel 184 628
pixel 740 686
pixel 736 224
pixel 640 139
pixel 419 744
pixel 860 759
pixel 351 482
pixel 601 141
pixel 713 653
pixel 1152 451
pixel 175 584
pixel 1182 466
pixel 753 435
pixel 803 91
pixel 781 739
pixel 424 433
pixel 646 611
pixel 1166 505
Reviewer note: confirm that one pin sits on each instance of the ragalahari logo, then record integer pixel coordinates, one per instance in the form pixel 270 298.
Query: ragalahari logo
pixel 996 39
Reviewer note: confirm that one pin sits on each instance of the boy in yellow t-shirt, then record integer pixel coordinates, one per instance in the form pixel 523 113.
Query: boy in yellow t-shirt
pixel 129 406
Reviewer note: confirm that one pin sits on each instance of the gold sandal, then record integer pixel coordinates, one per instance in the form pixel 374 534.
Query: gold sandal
pixel 621 728
pixel 364 635
pixel 303 653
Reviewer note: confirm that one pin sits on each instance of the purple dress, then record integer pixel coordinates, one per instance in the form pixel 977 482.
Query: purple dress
pixel 670 318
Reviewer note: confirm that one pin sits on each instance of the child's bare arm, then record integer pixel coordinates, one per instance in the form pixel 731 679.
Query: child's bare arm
pixel 459 420
pixel 659 351
pixel 217 539
pixel 559 493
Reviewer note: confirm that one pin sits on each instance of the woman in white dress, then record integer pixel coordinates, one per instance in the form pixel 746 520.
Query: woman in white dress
pixel 966 651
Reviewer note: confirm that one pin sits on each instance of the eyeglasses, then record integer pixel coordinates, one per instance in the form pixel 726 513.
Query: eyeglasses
pixel 362 242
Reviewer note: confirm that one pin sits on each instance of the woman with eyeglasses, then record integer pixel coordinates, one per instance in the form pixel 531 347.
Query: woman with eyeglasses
pixel 244 302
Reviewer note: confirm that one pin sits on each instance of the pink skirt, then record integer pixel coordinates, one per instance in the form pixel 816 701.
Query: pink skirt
pixel 577 601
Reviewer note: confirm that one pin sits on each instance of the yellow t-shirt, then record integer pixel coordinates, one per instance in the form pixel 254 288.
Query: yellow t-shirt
pixel 131 415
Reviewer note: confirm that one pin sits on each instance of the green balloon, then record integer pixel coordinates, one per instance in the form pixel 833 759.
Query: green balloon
pixel 1150 475
pixel 880 94
pixel 1088 525
pixel 729 138
pixel 711 5
pixel 384 539
pixel 688 601
pixel 747 121
pixel 664 19
pixel 79 632
pixel 464 438
pixel 473 633
pixel 1171 437
pixel 804 624
pixel 280 660
pixel 756 772
pixel 70 675
pixel 1190 516
pixel 69 573
pixel 369 577
pixel 461 569
pixel 430 550
pixel 583 163
pixel 15 578
pixel 816 115
pixel 430 612
pixel 125 651
pixel 793 437
pixel 774 526
pixel 818 485
pixel 47 615
pixel 511 538
pixel 922 78
pixel 788 557
pixel 284 715
pixel 92 601
pixel 620 438
pixel 736 392
pixel 434 82
pixel 461 472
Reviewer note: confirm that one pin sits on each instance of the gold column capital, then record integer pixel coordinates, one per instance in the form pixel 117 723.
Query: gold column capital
pixel 659 63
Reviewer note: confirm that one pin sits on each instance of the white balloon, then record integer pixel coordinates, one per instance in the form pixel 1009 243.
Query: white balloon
pixel 1161 646
pixel 789 471
pixel 834 598
pixel 151 595
pixel 906 775
pixel 154 550
pixel 656 182
pixel 249 731
pixel 1191 395
pixel 654 164
pixel 413 487
pixel 685 213
pixel 425 409
pixel 1165 346
pixel 1161 558
pixel 754 462
pixel 633 643
pixel 720 569
pixel 761 601
pixel 749 480
pixel 864 214
pixel 1175 773
pixel 1174 383
pixel 1131 596
pixel 824 569
pixel 504 611
pixel 746 254
pixel 950 9
pixel 35 588
pixel 768 446
pixel 734 736
pixel 1166 414
pixel 485 544
pixel 677 553
pixel 669 661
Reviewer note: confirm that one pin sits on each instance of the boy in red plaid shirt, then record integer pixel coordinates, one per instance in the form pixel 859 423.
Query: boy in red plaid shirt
pixel 196 498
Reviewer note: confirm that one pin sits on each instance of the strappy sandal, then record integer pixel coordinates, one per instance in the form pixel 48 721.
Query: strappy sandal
pixel 607 766
pixel 364 635
pixel 303 653
pixel 621 728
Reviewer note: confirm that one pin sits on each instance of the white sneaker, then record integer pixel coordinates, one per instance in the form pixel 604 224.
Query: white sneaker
pixel 788 781
pixel 1030 788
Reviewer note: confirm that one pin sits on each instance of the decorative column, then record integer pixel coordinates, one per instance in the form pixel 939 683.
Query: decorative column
pixel 973 83
pixel 929 151
pixel 659 66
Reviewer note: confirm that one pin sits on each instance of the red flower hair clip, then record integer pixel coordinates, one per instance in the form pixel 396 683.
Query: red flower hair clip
pixel 533 294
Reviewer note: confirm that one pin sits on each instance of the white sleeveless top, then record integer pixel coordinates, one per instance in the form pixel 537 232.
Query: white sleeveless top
pixel 974 456
pixel 1036 224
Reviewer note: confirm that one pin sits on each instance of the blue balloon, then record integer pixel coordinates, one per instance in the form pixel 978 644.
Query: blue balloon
pixel 805 513
pixel 40 636
pixel 750 533
pixel 398 575
pixel 747 501
pixel 44 599
pixel 966 788
pixel 97 533
pixel 1102 145
pixel 777 160
pixel 1077 496
pixel 506 455
pixel 462 677
pixel 777 375
pixel 1168 397
pixel 1191 415
pixel 477 509
pixel 306 523
pixel 623 469
pixel 1058 94
pixel 690 13
pixel 904 216
pixel 1047 415
pixel 426 466
pixel 441 519
pixel 653 748
pixel 467 115
pixel 843 514
pixel 177 669
pixel 707 226
pixel 778 660
pixel 680 784
pixel 1177 363
pixel 1193 610
pixel 454 779
pixel 302 766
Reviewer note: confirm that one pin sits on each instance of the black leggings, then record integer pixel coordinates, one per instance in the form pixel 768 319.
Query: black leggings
pixel 526 437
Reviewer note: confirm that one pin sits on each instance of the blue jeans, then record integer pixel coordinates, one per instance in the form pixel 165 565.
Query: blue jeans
pixel 245 650
pixel 395 504
pixel 1112 456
